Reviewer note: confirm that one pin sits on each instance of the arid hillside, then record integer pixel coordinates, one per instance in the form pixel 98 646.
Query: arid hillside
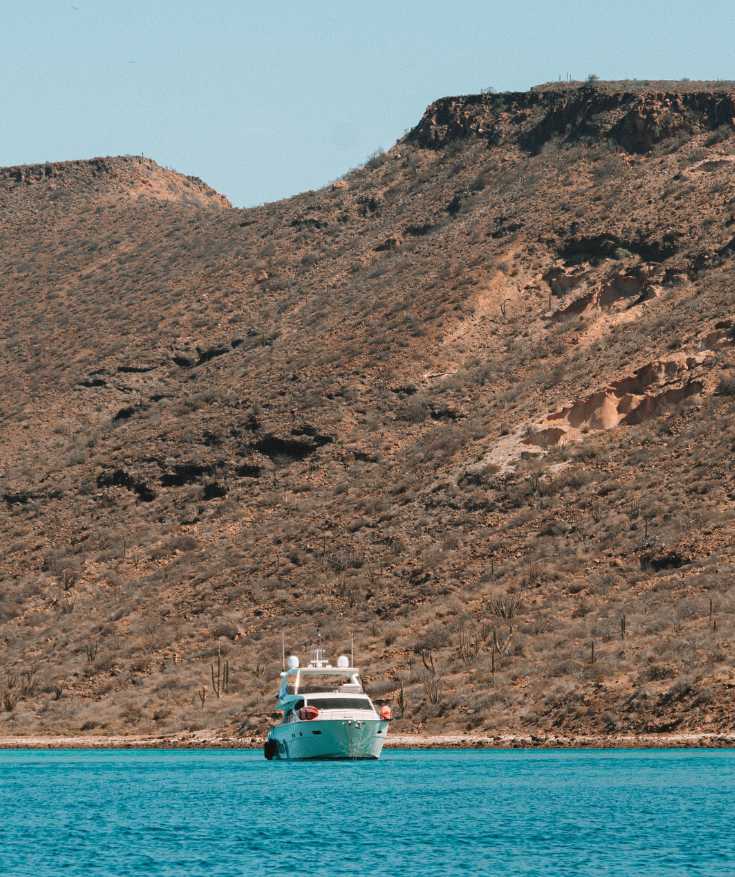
pixel 474 404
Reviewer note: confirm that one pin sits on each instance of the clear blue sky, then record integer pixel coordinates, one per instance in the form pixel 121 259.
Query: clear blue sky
pixel 266 99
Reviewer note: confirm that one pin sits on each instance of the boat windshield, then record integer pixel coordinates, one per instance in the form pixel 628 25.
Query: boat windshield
pixel 340 703
pixel 324 682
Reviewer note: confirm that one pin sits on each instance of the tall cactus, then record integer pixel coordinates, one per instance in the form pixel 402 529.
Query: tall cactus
pixel 220 675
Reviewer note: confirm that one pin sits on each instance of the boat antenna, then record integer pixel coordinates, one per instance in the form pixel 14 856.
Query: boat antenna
pixel 352 648
pixel 283 650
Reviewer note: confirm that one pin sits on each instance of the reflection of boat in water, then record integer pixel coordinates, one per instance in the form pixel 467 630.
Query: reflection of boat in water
pixel 326 713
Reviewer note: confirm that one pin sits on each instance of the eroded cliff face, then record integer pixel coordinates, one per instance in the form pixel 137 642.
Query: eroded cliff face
pixel 637 121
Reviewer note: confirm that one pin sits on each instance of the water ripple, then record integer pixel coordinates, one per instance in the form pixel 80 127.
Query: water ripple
pixel 413 814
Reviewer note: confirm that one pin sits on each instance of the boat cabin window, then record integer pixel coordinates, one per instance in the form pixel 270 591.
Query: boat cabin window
pixel 340 703
pixel 324 682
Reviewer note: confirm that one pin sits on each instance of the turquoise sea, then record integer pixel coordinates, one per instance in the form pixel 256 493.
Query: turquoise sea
pixel 221 813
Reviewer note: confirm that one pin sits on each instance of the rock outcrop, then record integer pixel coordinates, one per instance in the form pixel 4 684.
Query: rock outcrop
pixel 636 120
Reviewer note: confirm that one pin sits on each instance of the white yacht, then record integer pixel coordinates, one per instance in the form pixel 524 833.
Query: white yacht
pixel 326 713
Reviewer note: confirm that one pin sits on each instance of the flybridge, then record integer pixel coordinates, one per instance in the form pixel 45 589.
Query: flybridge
pixel 319 675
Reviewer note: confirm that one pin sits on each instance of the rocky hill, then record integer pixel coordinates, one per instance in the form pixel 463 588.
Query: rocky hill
pixel 472 403
pixel 79 184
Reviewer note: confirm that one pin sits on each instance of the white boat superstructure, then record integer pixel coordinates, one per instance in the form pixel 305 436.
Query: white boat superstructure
pixel 326 713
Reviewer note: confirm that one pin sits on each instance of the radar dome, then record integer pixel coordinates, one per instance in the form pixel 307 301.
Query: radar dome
pixel 293 662
pixel 343 661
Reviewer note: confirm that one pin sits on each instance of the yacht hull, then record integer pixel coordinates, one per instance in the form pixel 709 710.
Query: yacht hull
pixel 330 739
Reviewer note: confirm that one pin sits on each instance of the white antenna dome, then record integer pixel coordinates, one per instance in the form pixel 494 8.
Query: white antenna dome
pixel 343 662
pixel 293 662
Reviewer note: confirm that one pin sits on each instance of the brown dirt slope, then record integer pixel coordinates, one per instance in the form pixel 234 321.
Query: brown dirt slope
pixel 473 403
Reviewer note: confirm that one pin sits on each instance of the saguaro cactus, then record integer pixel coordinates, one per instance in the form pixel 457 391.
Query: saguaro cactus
pixel 220 674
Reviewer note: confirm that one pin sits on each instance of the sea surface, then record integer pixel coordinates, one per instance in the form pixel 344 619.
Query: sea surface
pixel 221 813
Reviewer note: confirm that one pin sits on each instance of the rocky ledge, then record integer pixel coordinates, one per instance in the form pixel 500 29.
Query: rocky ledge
pixel 634 119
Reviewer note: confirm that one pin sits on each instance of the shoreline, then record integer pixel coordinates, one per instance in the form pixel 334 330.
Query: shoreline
pixel 212 740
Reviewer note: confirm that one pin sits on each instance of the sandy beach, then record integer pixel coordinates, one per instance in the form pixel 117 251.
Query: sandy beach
pixel 211 739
